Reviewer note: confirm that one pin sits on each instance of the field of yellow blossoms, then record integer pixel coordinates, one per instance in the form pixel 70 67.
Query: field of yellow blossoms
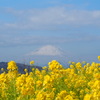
pixel 80 81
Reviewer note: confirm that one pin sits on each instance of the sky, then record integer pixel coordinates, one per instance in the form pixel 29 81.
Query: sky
pixel 43 30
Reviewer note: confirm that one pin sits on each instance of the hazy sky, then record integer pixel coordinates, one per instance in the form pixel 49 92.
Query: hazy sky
pixel 70 29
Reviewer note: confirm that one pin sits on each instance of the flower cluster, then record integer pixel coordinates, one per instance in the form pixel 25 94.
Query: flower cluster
pixel 79 81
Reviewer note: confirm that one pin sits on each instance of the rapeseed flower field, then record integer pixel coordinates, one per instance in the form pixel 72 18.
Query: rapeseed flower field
pixel 80 81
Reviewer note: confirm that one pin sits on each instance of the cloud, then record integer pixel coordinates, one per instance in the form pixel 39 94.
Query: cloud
pixel 55 20
pixel 51 18
pixel 47 50
pixel 31 40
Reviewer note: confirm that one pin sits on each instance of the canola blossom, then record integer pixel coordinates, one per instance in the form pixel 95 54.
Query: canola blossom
pixel 79 81
pixel 31 62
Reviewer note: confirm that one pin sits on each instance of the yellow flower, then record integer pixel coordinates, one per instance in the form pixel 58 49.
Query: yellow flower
pixel 98 57
pixel 44 67
pixel 12 65
pixel 46 79
pixel 38 83
pixel 41 96
pixel 68 97
pixel 2 69
pixel 31 62
pixel 25 70
pixel 61 95
pixel 87 97
pixel 71 66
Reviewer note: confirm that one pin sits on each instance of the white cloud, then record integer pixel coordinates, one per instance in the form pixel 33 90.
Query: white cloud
pixel 53 17
pixel 47 50
pixel 11 25
pixel 6 40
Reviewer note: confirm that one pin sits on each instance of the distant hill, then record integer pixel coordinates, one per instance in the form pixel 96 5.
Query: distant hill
pixel 21 67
